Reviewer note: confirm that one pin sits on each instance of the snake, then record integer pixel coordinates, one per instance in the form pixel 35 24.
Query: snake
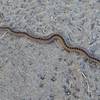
pixel 51 38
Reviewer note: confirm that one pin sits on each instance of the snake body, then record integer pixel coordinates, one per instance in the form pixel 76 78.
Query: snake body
pixel 51 38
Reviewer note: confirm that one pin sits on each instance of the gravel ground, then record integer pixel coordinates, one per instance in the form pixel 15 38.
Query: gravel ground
pixel 33 71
